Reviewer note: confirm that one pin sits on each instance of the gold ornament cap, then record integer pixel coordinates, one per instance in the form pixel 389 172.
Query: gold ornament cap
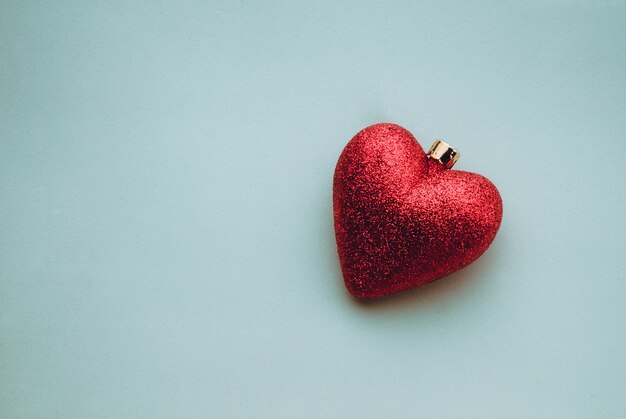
pixel 444 153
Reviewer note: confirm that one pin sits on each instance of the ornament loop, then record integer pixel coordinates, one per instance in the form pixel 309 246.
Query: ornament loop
pixel 444 153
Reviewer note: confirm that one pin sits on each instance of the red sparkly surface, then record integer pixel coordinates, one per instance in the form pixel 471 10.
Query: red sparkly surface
pixel 401 219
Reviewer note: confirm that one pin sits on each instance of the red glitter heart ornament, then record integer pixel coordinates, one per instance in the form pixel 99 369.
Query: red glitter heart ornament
pixel 402 218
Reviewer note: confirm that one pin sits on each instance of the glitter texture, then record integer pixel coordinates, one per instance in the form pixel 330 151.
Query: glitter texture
pixel 401 219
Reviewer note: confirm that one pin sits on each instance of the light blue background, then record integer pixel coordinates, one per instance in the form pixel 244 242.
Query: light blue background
pixel 167 247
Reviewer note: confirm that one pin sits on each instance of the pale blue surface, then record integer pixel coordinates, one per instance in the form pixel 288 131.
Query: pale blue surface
pixel 165 209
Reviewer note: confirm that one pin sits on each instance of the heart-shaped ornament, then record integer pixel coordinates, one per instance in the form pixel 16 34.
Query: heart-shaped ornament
pixel 402 217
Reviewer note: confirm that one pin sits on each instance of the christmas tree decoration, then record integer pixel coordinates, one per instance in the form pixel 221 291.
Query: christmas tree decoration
pixel 402 217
